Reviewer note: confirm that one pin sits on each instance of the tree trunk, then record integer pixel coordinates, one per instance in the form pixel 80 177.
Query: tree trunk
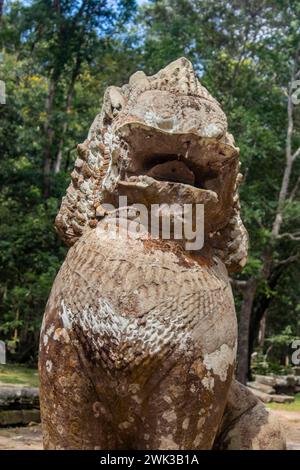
pixel 262 331
pixel 48 131
pixel 59 154
pixel 263 301
pixel 244 330
pixel 249 292
pixel 70 94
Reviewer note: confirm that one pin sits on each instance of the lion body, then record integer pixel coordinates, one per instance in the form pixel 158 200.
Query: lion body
pixel 138 341
pixel 142 314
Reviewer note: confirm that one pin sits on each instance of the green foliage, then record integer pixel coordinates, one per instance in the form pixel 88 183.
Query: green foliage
pixel 276 358
pixel 19 375
pixel 64 49
pixel 294 406
pixel 261 364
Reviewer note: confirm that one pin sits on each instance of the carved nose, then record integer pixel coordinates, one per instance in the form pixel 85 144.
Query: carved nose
pixel 165 123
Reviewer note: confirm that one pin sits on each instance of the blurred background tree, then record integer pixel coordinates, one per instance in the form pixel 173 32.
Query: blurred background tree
pixel 59 56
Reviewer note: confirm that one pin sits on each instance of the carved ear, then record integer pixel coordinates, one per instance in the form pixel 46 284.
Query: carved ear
pixel 231 243
pixel 81 206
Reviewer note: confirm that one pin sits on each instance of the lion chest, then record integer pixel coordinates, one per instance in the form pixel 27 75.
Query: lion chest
pixel 130 305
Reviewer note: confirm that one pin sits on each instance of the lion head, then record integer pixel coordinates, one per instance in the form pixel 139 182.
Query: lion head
pixel 159 139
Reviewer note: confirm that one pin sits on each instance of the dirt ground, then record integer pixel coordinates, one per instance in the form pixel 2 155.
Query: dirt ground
pixel 290 421
pixel 23 438
pixel 30 437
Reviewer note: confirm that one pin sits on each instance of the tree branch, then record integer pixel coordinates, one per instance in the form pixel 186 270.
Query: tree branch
pixel 296 154
pixel 295 189
pixel 290 158
pixel 288 260
pixel 292 236
pixel 238 284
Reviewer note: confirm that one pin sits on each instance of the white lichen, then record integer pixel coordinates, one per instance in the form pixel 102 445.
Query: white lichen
pixel 219 361
pixel 66 316
pixel 49 366
pixel 185 423
pixel 208 383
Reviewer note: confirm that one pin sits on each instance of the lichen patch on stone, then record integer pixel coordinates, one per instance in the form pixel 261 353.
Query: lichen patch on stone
pixel 220 360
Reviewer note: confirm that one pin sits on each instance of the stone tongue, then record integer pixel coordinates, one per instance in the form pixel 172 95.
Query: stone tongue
pixel 173 170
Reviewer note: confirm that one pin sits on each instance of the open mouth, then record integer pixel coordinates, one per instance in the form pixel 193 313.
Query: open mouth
pixel 155 167
pixel 174 168
pixel 171 162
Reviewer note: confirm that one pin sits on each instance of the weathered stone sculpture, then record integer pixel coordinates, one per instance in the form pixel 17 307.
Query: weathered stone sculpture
pixel 138 342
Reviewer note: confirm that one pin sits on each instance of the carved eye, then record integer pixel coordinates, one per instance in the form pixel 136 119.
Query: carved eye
pixel 116 109
pixel 115 101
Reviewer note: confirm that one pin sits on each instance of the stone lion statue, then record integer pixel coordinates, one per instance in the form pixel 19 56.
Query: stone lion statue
pixel 138 342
